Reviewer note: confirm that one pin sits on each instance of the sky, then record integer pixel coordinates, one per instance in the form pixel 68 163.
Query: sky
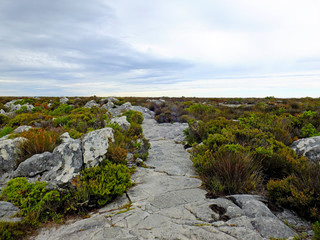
pixel 203 48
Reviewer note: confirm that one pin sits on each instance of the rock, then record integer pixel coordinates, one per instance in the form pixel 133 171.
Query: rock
pixel 146 112
pixel 109 99
pixel 122 122
pixel 65 137
pixel 2 112
pixel 262 219
pixel 21 129
pixel 68 159
pixel 59 167
pixel 35 165
pixel 123 108
pixel 95 145
pixel 108 105
pixel 308 147
pixel 13 107
pixel 64 100
pixel 91 104
pixel 157 101
pixel 7 212
pixel 9 155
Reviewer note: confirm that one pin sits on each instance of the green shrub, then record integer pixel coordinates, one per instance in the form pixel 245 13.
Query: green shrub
pixel 104 183
pixel 13 230
pixel 117 154
pixel 316 230
pixel 26 119
pixel 3 119
pixel 299 192
pixel 134 116
pixel 35 202
pixel 61 110
pixel 308 131
pixel 5 131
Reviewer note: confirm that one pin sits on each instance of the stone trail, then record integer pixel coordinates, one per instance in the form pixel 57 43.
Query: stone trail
pixel 168 203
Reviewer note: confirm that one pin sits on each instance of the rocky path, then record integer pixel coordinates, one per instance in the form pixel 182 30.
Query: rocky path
pixel 168 203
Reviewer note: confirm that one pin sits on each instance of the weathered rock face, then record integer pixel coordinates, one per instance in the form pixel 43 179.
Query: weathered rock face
pixel 95 145
pixel 122 122
pixel 21 129
pixel 64 100
pixel 147 113
pixel 13 107
pixel 91 104
pixel 308 147
pixel 9 154
pixel 35 165
pixel 108 105
pixel 2 111
pixel 7 211
pixel 118 110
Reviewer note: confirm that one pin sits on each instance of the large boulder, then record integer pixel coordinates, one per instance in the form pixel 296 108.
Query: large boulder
pixel 95 145
pixel 64 100
pixel 59 167
pixel 9 155
pixel 120 109
pixel 146 112
pixel 22 129
pixel 91 104
pixel 7 212
pixel 108 106
pixel 35 165
pixel 122 122
pixel 308 147
pixel 260 216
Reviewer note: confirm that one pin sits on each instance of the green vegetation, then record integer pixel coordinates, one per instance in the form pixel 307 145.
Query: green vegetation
pixel 94 187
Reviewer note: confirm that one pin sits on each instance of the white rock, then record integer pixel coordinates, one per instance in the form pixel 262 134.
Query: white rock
pixel 122 122
pixel 95 146
pixel 91 104
pixel 21 129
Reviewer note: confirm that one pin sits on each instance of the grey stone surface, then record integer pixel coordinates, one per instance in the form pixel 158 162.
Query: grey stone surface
pixel 108 105
pixel 2 112
pixel 35 165
pixel 64 100
pixel 146 113
pixel 91 103
pixel 8 211
pixel 21 129
pixel 308 147
pixel 122 122
pixel 168 202
pixel 9 154
pixel 95 145
pixel 120 109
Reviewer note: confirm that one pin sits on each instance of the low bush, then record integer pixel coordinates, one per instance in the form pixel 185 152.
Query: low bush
pixel 229 171
pixel 3 119
pixel 35 202
pixel 5 131
pixel 104 183
pixel 38 141
pixel 134 116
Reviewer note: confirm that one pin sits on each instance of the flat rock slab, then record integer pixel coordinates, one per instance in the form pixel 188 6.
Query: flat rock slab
pixel 168 202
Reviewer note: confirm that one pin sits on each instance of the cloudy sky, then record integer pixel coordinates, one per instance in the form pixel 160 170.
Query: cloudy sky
pixel 210 48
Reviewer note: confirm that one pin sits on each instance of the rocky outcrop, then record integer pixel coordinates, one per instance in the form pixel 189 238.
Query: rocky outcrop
pixel 95 145
pixel 60 166
pixel 108 106
pixel 8 211
pixel 91 104
pixel 14 107
pixel 2 112
pixel 22 129
pixel 9 155
pixel 308 147
pixel 120 109
pixel 64 100
pixel 122 122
